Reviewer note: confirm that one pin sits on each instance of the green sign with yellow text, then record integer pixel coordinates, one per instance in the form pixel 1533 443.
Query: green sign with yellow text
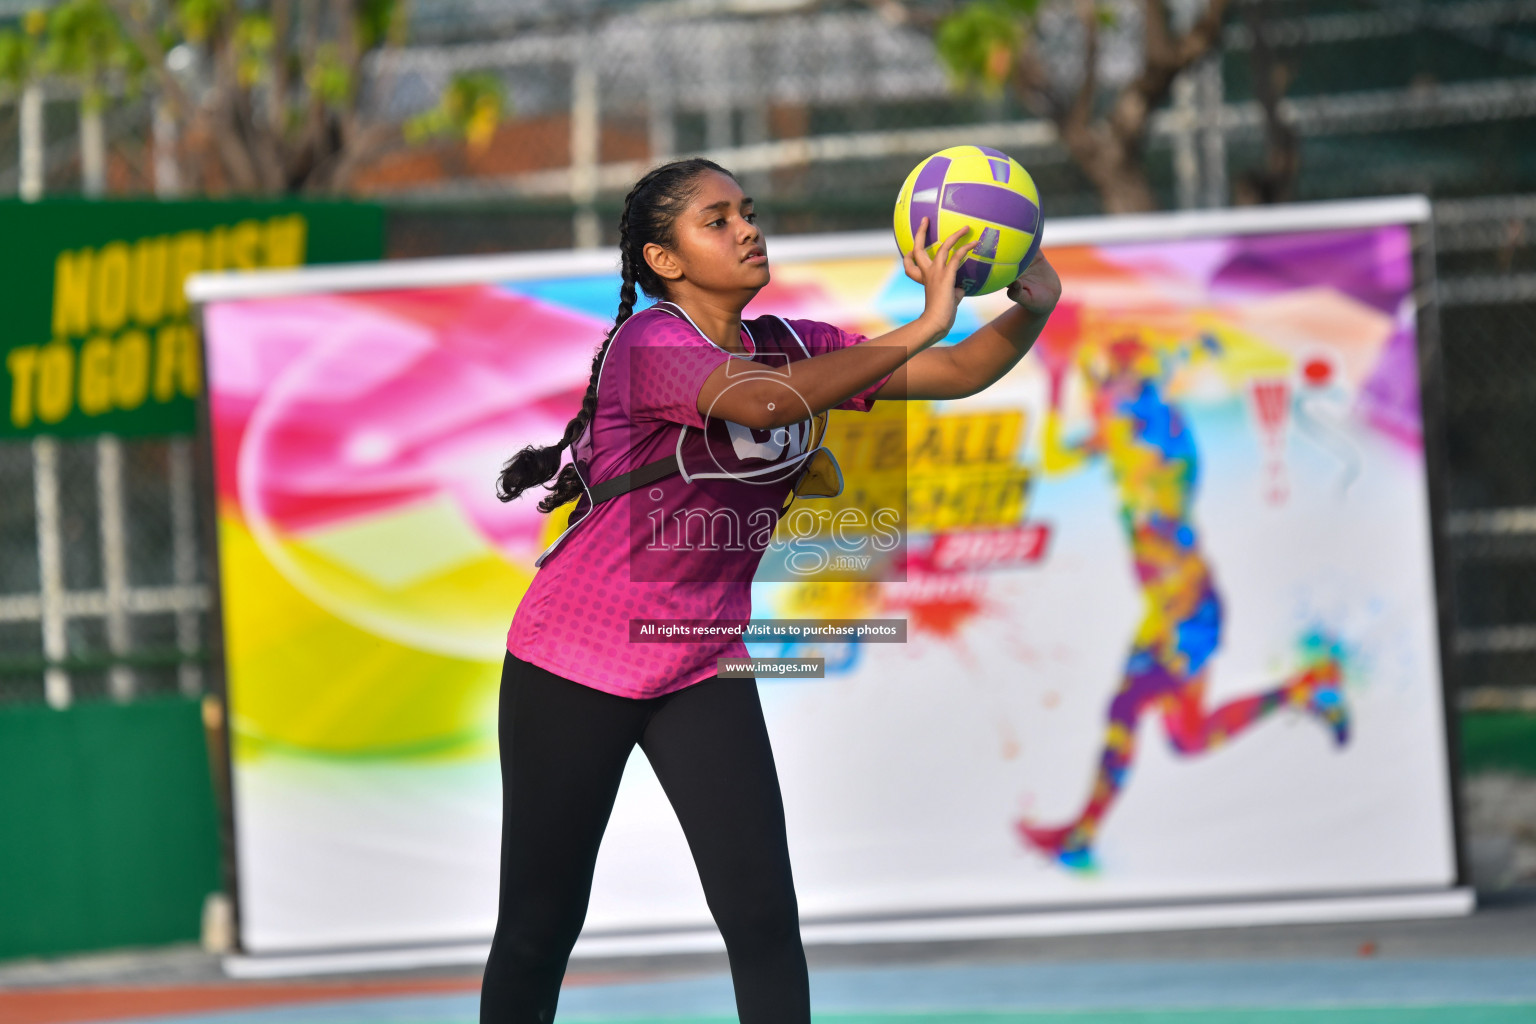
pixel 97 337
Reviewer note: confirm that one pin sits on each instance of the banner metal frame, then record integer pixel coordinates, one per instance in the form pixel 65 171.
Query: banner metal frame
pixel 1415 212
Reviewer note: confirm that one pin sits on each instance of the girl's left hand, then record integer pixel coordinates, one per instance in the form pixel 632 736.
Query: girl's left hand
pixel 1038 288
pixel 937 273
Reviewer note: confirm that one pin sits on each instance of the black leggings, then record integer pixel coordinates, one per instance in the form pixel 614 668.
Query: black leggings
pixel 563 749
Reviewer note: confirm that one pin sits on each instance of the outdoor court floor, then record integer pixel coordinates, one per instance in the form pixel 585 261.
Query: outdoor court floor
pixel 1481 968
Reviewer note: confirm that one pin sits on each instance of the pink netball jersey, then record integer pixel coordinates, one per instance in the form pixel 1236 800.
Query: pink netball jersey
pixel 678 548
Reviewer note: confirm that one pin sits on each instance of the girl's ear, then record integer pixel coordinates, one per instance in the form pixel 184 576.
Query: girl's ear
pixel 662 261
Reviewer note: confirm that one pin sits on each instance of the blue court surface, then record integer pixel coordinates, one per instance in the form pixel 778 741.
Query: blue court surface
pixel 1480 968
pixel 1364 990
pixel 1495 990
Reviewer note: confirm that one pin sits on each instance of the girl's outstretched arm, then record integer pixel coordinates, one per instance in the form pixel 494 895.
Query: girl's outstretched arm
pixel 774 399
pixel 972 365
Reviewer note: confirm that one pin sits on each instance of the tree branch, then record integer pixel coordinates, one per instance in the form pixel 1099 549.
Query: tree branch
pixel 224 114
pixel 372 142
pixel 1275 180
pixel 1157 40
pixel 1033 84
pixel 1080 110
pixel 154 56
pixel 348 53
pixel 277 112
pixel 1204 36
pixel 1165 57
pixel 312 132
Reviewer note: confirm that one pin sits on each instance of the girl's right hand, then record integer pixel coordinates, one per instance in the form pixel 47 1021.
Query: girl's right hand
pixel 937 276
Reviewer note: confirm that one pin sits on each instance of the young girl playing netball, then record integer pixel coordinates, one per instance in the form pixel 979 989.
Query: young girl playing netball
pixel 686 376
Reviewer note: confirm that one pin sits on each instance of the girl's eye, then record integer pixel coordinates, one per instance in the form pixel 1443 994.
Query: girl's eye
pixel 751 218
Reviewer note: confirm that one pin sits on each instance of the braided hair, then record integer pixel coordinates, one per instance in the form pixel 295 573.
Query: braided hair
pixel 650 215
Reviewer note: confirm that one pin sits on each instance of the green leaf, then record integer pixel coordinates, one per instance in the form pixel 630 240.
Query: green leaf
pixel 470 108
pixel 979 41
pixel 381 22
pixel 17 57
pixel 329 78
pixel 197 18
pixel 252 42
pixel 83 39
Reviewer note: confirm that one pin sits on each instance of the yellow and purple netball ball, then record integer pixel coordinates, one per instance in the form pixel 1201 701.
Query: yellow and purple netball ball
pixel 978 188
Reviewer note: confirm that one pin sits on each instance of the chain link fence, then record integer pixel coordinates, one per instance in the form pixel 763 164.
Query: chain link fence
pixel 103 579
pixel 1487 257
pixel 104 576
pixel 840 99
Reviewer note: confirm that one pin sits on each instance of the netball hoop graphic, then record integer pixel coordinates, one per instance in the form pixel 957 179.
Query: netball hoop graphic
pixel 1270 400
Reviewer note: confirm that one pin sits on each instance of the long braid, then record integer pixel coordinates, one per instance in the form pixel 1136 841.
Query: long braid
pixel 650 210
pixel 567 487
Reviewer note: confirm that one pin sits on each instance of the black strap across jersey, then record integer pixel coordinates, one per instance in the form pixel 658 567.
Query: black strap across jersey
pixel 635 478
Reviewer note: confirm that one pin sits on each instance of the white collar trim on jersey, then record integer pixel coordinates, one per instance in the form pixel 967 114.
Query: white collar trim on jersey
pixel 745 329
pixel 683 432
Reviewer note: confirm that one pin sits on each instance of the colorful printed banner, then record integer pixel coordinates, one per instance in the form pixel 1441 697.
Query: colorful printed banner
pixel 1171 630
pixel 99 339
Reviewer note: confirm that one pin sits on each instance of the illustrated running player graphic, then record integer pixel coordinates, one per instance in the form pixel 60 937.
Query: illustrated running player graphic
pixel 1154 461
